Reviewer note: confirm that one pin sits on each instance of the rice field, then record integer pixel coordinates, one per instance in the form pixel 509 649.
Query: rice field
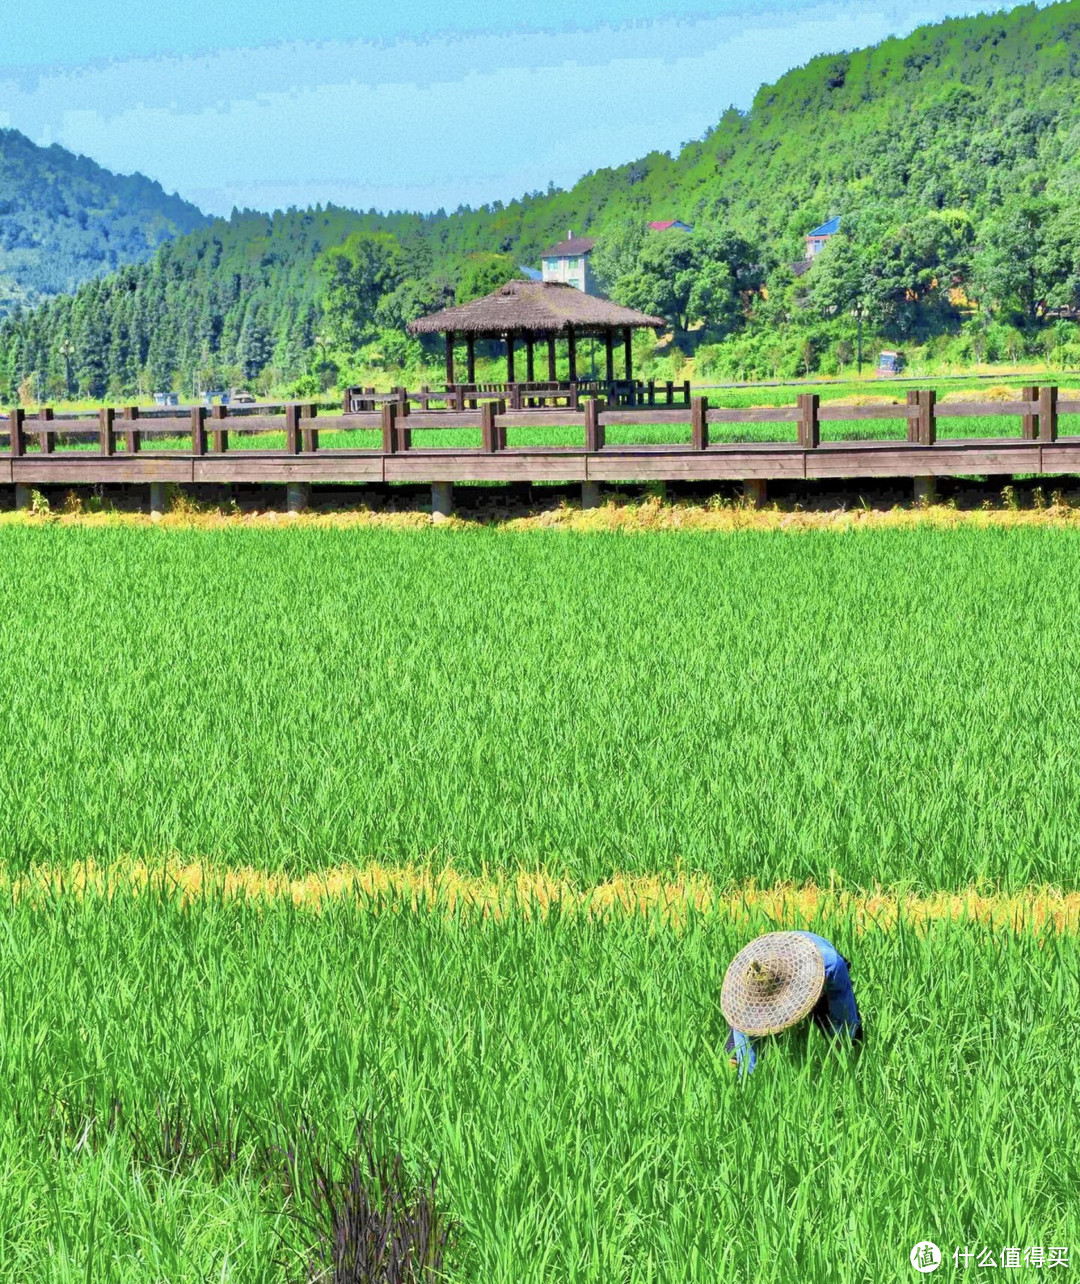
pixel 452 832
pixel 564 1074
pixel 895 706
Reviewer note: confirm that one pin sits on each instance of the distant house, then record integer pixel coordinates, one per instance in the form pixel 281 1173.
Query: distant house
pixel 816 240
pixel 672 225
pixel 569 262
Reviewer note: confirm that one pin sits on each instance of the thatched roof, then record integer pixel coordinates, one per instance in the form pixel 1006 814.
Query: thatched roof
pixel 543 307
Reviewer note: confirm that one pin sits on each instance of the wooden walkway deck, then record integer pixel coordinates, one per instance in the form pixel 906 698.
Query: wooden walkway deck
pixel 39 450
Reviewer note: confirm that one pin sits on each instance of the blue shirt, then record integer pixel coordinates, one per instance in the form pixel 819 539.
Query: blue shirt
pixel 835 1012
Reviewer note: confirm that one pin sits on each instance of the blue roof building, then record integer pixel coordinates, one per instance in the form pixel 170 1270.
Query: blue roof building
pixel 815 240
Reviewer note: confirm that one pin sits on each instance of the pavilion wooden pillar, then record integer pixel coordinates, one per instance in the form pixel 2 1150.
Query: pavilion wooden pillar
pixel 510 356
pixel 450 356
pixel 552 375
pixel 571 351
pixel 530 366
pixel 470 366
pixel 626 353
pixel 609 353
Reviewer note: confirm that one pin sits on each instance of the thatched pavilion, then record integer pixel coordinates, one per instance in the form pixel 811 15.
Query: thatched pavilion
pixel 534 310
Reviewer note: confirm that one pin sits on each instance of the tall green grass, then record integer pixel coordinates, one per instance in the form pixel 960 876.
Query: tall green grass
pixel 567 1075
pixel 895 705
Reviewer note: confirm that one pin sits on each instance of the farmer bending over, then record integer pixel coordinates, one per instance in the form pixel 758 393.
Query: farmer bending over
pixel 776 981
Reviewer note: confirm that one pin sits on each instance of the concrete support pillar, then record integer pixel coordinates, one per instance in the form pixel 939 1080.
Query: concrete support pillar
pixel 925 490
pixel 297 496
pixel 22 496
pixel 754 491
pixel 590 494
pixel 442 500
pixel 157 499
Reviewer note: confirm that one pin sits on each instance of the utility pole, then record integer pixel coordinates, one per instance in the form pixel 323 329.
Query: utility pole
pixel 859 342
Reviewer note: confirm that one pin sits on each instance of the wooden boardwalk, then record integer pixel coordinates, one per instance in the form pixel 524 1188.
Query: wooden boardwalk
pixel 119 447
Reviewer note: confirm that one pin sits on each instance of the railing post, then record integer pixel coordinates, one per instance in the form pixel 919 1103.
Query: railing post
pixel 346 402
pixel 489 440
pixel 1029 423
pixel 572 401
pixel 310 434
pixel 652 392
pixel 389 427
pixel 1048 414
pixel 198 430
pixel 15 425
pixel 45 415
pixel 670 390
pixel 699 423
pixel 594 429
pixel 927 417
pixel 292 429
pixel 106 435
pixel 404 434
pixel 913 415
pixel 686 392
pixel 809 424
pixel 219 436
pixel 132 436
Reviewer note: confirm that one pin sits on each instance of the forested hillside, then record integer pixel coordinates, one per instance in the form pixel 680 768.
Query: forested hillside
pixel 64 219
pixel 953 157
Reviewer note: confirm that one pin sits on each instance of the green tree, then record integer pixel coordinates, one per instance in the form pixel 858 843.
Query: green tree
pixel 482 274
pixel 254 348
pixel 618 253
pixel 357 274
pixel 1028 259
pixel 410 300
pixel 687 278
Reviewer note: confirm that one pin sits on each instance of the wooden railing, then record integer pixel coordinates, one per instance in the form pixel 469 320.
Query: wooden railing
pixel 199 444
pixel 532 395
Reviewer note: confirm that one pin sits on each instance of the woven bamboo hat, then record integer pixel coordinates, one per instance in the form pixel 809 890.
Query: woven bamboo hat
pixel 772 983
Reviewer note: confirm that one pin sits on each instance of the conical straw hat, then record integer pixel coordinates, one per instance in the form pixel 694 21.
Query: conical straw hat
pixel 772 983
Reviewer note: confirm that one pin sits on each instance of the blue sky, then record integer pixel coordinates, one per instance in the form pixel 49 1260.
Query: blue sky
pixel 410 105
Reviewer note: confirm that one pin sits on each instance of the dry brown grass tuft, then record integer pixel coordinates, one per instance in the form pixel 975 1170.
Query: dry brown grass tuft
pixel 420 888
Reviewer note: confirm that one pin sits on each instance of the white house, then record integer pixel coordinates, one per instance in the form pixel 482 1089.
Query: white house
pixel 569 262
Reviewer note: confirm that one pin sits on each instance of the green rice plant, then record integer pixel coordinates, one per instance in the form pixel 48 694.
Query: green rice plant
pixel 887 706
pixel 565 1075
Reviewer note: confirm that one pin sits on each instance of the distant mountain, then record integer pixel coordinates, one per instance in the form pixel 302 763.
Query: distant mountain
pixel 952 156
pixel 65 219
